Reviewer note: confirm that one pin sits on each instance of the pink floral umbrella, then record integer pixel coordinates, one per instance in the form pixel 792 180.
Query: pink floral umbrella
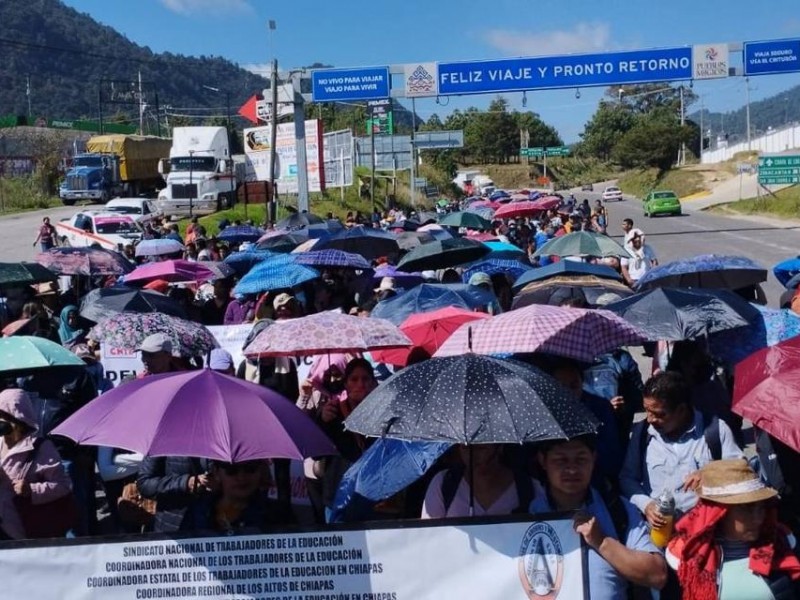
pixel 324 333
pixel 171 270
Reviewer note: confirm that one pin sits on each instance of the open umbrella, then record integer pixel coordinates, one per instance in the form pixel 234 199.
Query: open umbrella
pixel 126 331
pixel 408 240
pixel 27 353
pixel 103 303
pixel 24 273
pixel 429 297
pixel 765 391
pixel 170 270
pixel 514 210
pixel 442 254
pixel 428 331
pixel 705 271
pixel 674 314
pixel 326 332
pixel 197 413
pixel 369 243
pixel 773 325
pixel 566 268
pixel 238 234
pixel 471 399
pixel 401 278
pixel 332 258
pixel 504 250
pixel 554 289
pixel 299 221
pixel 466 219
pixel 491 266
pixel 84 261
pixel 483 211
pixel 582 334
pixel 582 243
pixel 282 242
pixel 786 270
pixel 275 274
pixel 158 247
pixel 241 262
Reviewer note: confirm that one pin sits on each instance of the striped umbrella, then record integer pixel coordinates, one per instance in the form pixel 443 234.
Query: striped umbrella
pixel 275 274
pixel 332 258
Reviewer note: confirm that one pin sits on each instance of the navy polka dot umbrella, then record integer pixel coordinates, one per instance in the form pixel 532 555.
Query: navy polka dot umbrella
pixel 471 399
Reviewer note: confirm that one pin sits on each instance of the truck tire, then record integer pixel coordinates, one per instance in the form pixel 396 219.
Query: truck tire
pixel 68 201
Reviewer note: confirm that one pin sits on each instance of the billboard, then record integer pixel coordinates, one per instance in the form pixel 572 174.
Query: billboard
pixel 772 56
pixel 368 83
pixel 257 142
pixel 337 155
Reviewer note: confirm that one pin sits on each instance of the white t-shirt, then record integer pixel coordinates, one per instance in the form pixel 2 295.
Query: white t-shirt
pixel 640 261
pixel 433 507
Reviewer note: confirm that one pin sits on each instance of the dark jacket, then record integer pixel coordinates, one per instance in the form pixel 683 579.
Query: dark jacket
pixel 261 514
pixel 166 480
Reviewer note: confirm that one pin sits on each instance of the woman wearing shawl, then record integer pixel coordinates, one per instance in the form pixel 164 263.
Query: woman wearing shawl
pixel 69 330
pixel 730 545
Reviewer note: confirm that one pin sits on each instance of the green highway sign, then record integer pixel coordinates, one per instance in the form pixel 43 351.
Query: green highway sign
pixel 557 151
pixel 539 151
pixel 535 151
pixel 779 170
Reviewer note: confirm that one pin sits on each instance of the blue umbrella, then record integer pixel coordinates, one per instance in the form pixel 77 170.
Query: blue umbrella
pixel 387 467
pixel 484 212
pixel 711 271
pixel 499 195
pixel 786 270
pixel 240 233
pixel 505 251
pixel 566 267
pixel 431 296
pixel 491 266
pixel 332 258
pixel 243 261
pixel 274 274
pixel 773 326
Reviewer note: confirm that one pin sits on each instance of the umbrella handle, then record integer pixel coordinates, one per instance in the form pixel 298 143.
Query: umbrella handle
pixel 469 341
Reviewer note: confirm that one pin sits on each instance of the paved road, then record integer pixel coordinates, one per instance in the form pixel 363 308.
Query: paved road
pixel 766 241
pixel 18 231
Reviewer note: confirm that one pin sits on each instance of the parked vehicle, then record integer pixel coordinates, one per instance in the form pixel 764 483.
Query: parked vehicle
pixel 587 187
pixel 201 176
pixel 114 165
pixel 612 193
pixel 109 230
pixel 662 202
pixel 140 210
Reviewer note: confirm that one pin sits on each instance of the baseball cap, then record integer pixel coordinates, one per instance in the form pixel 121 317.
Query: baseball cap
pixel 220 360
pixel 157 342
pixel 282 300
pixel 387 283
pixel 480 279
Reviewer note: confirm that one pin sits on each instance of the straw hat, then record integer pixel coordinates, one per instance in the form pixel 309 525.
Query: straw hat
pixel 732 481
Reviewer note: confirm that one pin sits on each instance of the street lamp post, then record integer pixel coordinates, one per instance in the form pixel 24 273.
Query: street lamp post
pixel 230 147
pixel 191 191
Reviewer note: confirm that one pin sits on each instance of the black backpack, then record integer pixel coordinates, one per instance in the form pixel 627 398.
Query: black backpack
pixel 522 480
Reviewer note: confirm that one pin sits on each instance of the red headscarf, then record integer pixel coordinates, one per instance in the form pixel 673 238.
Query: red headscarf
pixel 699 555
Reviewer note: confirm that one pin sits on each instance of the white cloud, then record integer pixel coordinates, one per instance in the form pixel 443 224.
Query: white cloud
pixel 215 7
pixel 583 38
pixel 263 69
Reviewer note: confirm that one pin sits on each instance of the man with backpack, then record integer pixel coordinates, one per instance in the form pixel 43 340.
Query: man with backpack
pixel 668 449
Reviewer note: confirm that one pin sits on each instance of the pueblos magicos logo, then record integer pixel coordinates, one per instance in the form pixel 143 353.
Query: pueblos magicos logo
pixel 541 562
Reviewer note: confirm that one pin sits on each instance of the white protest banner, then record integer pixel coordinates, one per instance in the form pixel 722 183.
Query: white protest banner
pixel 491 559
pixel 119 364
pixel 231 338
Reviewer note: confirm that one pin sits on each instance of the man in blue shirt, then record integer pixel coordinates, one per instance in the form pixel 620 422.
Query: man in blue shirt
pixel 667 450
pixel 620 554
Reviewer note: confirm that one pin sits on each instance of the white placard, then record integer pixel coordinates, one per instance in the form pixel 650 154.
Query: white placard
pixel 710 61
pixel 487 560
pixel 231 338
pixel 257 143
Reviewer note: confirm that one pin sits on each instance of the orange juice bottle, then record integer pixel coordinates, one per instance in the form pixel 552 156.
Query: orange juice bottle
pixel 666 506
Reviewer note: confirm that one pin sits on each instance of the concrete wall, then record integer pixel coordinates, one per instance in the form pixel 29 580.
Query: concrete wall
pixel 779 140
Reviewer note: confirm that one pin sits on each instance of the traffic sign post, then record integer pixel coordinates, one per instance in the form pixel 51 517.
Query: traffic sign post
pixel 779 170
pixel 772 56
pixel 539 151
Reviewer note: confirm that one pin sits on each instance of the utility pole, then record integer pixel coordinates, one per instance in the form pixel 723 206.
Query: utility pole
pixel 413 181
pixel 273 155
pixel 141 106
pixel 372 177
pixel 747 94
pixel 28 93
pixel 702 133
pixel 682 151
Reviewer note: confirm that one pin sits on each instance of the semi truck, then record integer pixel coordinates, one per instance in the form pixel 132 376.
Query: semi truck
pixel 114 165
pixel 201 176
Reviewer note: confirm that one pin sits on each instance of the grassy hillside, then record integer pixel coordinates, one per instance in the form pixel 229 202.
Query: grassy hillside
pixel 683 182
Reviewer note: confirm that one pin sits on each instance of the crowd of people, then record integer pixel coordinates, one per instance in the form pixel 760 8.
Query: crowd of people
pixel 682 469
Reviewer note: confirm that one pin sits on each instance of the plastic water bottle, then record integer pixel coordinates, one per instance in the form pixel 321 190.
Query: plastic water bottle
pixel 666 507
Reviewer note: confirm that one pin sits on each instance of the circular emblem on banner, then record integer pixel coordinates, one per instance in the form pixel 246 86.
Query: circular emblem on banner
pixel 541 562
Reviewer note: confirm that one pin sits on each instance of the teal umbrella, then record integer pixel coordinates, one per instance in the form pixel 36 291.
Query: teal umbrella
pixel 465 219
pixel 582 243
pixel 25 353
pixel 23 273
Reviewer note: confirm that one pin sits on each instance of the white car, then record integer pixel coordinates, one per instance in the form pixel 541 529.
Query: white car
pixel 108 230
pixel 612 193
pixel 140 210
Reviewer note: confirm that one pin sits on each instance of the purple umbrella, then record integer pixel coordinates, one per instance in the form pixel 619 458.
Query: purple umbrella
pixel 403 279
pixel 201 414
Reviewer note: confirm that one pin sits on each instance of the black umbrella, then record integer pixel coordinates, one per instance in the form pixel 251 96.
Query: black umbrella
pixel 408 240
pixel 471 399
pixel 102 303
pixel 369 243
pixel 24 273
pixel 555 290
pixel 442 254
pixel 677 314
pixel 428 297
pixel 299 221
pixel 283 242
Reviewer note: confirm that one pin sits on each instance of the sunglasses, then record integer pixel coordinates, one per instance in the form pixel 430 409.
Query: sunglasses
pixel 246 468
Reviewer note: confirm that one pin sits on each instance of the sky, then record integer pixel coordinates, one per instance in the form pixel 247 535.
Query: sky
pixel 353 33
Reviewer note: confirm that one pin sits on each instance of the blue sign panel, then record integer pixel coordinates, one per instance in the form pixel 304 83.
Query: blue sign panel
pixel 369 83
pixel 579 70
pixel 772 56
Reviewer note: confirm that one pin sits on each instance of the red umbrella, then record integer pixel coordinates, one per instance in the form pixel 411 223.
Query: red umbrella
pixel 519 209
pixel 170 270
pixel 765 391
pixel 428 331
pixel 482 236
